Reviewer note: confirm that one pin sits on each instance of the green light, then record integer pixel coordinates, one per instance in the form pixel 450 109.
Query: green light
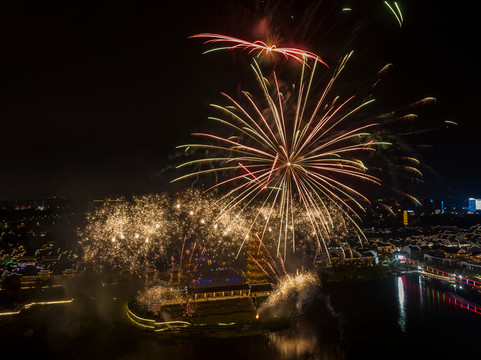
pixel 450 122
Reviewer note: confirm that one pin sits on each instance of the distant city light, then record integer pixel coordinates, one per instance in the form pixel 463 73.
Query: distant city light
pixel 474 204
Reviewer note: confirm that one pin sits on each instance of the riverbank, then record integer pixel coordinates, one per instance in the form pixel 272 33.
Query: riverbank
pixel 214 317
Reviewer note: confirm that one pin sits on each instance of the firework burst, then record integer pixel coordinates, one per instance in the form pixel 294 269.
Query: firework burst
pixel 291 153
pixel 127 234
pixel 292 288
pixel 160 295
pixel 258 47
pixel 160 231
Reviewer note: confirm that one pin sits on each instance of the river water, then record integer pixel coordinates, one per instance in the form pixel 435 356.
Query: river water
pixel 398 317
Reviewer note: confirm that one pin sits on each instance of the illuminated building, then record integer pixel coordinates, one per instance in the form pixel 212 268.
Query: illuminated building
pixel 254 273
pixel 474 204
pixel 219 277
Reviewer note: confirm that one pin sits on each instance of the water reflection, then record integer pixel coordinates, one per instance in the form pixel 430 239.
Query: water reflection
pixel 420 287
pixel 299 343
pixel 401 283
pixel 425 293
pixel 449 300
pixel 316 334
pixel 303 341
pixel 348 320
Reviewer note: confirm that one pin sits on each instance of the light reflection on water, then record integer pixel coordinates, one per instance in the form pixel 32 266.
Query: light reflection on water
pixel 348 320
pixel 297 344
pixel 425 294
pixel 303 341
pixel 401 303
pixel 420 287
pixel 439 295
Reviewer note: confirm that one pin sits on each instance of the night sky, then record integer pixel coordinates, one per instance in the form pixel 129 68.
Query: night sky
pixel 96 95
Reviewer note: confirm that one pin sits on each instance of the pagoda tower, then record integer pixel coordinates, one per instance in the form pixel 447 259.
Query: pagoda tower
pixel 254 274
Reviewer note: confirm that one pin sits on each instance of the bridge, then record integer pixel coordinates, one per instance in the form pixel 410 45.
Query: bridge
pixel 449 298
pixel 443 275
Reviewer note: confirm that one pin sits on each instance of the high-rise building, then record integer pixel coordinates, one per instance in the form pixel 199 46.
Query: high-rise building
pixel 474 204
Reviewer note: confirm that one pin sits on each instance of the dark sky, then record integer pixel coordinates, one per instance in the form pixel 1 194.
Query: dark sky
pixel 96 95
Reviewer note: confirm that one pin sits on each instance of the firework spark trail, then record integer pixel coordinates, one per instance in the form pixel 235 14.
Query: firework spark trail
pixel 155 231
pixel 275 276
pixel 125 234
pixel 396 11
pixel 159 295
pixel 182 252
pixel 270 257
pixel 257 46
pixel 302 156
pixel 259 265
pixel 192 252
pixel 289 288
pixel 282 264
pixel 268 260
pixel 201 253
